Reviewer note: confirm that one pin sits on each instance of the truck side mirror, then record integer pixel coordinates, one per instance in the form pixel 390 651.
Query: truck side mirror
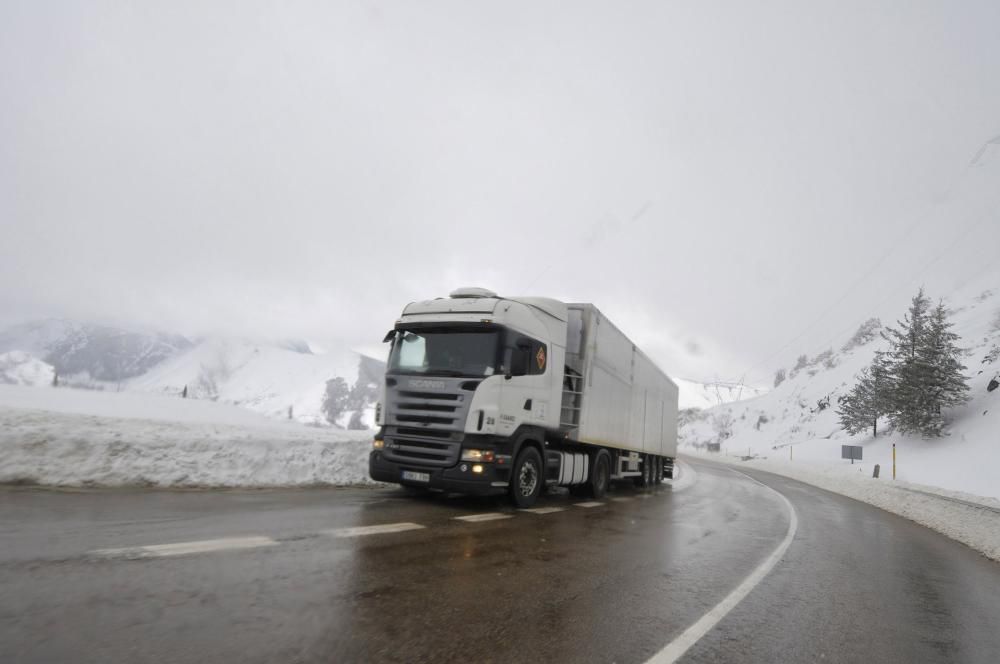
pixel 389 336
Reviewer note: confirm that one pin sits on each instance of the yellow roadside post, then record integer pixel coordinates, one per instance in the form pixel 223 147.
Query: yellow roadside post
pixel 894 461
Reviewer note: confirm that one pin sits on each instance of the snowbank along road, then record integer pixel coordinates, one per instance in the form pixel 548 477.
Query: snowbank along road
pixel 720 566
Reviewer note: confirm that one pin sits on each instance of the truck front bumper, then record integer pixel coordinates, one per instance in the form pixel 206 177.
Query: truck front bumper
pixel 492 481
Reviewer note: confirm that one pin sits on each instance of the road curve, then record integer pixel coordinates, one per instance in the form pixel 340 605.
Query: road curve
pixel 366 575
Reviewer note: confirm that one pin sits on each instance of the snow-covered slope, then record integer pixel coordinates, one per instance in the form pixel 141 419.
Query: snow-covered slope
pixel 269 377
pixel 265 378
pixel 694 394
pixel 798 420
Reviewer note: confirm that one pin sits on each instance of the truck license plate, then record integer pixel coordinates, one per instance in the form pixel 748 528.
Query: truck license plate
pixel 414 476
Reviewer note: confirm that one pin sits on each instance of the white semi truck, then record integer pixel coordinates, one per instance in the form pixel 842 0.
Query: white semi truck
pixel 486 395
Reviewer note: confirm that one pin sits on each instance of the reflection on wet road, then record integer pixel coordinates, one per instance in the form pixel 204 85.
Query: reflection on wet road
pixel 343 575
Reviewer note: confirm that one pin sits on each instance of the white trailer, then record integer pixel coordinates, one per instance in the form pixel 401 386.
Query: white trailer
pixel 616 396
pixel 488 394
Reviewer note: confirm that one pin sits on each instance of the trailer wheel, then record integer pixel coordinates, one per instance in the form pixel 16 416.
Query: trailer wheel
pixel 642 481
pixel 658 471
pixel 526 478
pixel 600 476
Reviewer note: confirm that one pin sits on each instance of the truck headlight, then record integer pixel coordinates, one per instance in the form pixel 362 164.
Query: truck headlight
pixel 477 455
pixel 378 443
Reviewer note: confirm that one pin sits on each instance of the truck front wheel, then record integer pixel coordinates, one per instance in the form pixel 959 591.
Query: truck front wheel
pixel 600 475
pixel 526 478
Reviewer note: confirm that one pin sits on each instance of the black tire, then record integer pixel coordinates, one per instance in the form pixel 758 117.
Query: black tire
pixel 669 472
pixel 526 478
pixel 643 480
pixel 658 471
pixel 600 476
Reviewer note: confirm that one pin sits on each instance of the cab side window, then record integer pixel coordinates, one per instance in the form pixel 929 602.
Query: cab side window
pixel 528 357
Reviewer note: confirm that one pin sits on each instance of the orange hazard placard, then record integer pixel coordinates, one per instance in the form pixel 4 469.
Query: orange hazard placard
pixel 540 357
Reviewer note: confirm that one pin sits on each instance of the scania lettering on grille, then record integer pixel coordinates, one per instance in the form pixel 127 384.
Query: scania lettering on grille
pixel 428 384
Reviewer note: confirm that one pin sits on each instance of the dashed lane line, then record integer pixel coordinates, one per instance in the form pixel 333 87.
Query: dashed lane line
pixel 185 548
pixel 486 516
pixel 361 531
pixel 236 543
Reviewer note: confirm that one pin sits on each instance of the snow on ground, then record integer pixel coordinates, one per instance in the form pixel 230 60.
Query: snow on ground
pixel 68 437
pixel 972 520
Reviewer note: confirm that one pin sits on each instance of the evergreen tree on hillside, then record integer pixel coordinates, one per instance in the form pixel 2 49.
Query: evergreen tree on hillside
pixel 915 380
pixel 854 407
pixel 336 398
pixel 866 402
pixel 941 370
pixel 906 369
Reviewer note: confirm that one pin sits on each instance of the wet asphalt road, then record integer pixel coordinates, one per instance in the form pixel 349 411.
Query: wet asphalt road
pixel 614 582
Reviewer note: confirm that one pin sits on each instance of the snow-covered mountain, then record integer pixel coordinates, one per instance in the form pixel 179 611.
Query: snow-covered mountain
pixel 695 394
pixel 97 352
pixel 275 378
pixel 267 378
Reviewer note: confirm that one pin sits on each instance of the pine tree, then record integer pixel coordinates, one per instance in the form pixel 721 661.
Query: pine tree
pixel 866 402
pixel 923 369
pixel 855 408
pixel 941 367
pixel 906 370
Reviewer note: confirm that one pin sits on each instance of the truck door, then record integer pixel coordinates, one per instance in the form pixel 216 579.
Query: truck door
pixel 526 394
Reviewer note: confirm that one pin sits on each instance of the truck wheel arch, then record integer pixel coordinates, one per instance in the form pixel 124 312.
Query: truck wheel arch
pixel 532 437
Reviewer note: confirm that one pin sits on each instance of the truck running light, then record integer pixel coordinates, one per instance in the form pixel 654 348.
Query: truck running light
pixel 477 455
pixel 477 468
pixel 378 443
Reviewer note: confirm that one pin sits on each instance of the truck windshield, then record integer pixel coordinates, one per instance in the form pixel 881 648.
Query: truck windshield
pixel 445 352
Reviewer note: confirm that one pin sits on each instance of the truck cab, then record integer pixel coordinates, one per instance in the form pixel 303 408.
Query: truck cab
pixel 470 379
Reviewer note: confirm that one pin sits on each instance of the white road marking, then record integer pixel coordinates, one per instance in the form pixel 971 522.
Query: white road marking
pixel 592 503
pixel 622 499
pixel 680 645
pixel 486 516
pixel 359 531
pixel 544 510
pixel 184 548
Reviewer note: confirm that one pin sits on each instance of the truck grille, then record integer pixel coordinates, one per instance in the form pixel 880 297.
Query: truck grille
pixel 422 452
pixel 424 426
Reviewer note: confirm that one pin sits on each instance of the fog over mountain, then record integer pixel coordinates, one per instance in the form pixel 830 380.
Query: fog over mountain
pixel 731 184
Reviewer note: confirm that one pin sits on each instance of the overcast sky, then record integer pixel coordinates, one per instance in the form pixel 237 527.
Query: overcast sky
pixel 714 176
